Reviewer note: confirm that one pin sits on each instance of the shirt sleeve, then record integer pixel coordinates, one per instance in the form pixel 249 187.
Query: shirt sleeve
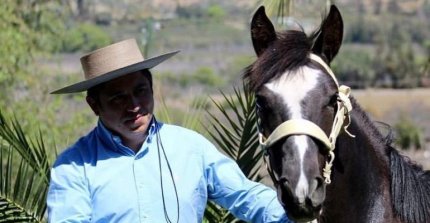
pixel 68 197
pixel 245 199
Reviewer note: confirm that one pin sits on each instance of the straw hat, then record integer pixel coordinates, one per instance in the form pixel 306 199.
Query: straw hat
pixel 111 62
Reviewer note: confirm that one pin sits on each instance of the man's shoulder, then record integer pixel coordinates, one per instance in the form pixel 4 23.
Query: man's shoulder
pixel 78 151
pixel 183 134
pixel 179 131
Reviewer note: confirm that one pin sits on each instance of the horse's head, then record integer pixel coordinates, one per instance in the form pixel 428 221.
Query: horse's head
pixel 292 82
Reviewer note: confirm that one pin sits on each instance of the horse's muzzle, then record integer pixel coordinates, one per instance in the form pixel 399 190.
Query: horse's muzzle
pixel 303 209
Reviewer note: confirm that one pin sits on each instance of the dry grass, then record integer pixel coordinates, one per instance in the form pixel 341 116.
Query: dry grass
pixel 379 102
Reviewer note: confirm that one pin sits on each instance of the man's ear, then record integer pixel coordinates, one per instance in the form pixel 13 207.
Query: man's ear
pixel 93 104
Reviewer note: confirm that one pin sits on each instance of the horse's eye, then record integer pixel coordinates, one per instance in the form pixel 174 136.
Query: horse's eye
pixel 333 100
pixel 260 103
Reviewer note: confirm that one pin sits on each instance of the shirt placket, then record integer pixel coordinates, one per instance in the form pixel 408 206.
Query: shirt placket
pixel 143 190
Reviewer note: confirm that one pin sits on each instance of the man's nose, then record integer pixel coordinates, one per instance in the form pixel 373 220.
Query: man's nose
pixel 133 104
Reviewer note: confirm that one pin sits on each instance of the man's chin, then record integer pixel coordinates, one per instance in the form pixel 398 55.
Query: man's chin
pixel 140 127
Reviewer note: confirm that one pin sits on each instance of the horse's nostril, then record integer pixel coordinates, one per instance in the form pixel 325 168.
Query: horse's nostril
pixel 285 184
pixel 313 185
pixel 317 191
pixel 316 183
pixel 283 181
pixel 320 182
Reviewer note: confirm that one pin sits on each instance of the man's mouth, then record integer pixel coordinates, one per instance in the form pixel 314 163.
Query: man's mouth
pixel 133 120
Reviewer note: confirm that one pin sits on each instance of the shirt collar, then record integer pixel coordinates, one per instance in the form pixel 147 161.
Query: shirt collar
pixel 114 142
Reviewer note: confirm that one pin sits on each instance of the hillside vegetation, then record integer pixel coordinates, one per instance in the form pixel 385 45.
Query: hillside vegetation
pixel 385 57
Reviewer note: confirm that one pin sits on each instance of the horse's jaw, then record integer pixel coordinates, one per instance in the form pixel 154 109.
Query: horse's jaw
pixel 301 218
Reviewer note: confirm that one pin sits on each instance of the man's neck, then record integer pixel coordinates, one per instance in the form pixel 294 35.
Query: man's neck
pixel 135 142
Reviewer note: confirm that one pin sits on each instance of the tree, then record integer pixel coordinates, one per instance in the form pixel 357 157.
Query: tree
pixel 27 28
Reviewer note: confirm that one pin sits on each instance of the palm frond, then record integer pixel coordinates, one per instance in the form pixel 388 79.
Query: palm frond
pixel 216 214
pixel 22 190
pixel 192 120
pixel 34 153
pixel 24 174
pixel 237 137
pixel 213 213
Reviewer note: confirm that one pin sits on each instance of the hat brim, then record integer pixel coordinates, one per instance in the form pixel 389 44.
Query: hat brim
pixel 87 84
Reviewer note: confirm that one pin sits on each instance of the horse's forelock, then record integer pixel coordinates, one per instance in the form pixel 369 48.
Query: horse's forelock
pixel 288 52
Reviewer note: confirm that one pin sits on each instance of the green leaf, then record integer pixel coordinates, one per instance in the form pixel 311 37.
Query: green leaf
pixel 24 171
pixel 237 138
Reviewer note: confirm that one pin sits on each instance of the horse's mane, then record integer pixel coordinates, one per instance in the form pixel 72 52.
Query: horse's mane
pixel 410 188
pixel 409 183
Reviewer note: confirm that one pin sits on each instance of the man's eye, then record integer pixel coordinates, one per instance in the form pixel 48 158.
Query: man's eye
pixel 117 98
pixel 142 89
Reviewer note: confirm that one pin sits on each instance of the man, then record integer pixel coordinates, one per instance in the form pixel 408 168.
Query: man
pixel 133 168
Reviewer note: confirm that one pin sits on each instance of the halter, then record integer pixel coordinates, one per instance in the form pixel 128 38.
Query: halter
pixel 306 127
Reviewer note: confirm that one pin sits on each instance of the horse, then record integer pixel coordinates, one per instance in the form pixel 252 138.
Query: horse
pixel 327 158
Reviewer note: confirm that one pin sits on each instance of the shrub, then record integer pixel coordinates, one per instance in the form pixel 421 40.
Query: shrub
pixel 85 37
pixel 353 66
pixel 206 76
pixel 192 11
pixel 408 134
pixel 216 12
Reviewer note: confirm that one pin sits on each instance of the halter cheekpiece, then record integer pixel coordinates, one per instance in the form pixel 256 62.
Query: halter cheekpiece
pixel 306 127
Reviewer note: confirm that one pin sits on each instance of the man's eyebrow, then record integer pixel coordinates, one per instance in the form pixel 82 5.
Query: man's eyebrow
pixel 114 93
pixel 142 84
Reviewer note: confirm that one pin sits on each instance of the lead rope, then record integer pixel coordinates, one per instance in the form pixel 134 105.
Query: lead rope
pixel 343 112
pixel 344 108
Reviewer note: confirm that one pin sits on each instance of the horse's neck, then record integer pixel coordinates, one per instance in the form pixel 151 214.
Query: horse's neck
pixel 367 143
pixel 365 151
pixel 360 175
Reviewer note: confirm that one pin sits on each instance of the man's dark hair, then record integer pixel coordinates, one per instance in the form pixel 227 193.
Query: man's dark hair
pixel 94 92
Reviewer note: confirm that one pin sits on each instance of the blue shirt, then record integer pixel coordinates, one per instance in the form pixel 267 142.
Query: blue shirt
pixel 98 179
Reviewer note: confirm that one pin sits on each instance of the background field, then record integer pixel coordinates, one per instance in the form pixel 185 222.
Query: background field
pixel 215 46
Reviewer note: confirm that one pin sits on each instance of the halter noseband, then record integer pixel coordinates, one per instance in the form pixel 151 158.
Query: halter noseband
pixel 306 127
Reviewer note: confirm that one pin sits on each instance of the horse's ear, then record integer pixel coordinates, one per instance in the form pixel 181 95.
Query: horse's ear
pixel 330 36
pixel 262 31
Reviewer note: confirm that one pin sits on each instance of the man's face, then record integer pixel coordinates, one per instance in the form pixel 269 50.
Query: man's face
pixel 125 105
